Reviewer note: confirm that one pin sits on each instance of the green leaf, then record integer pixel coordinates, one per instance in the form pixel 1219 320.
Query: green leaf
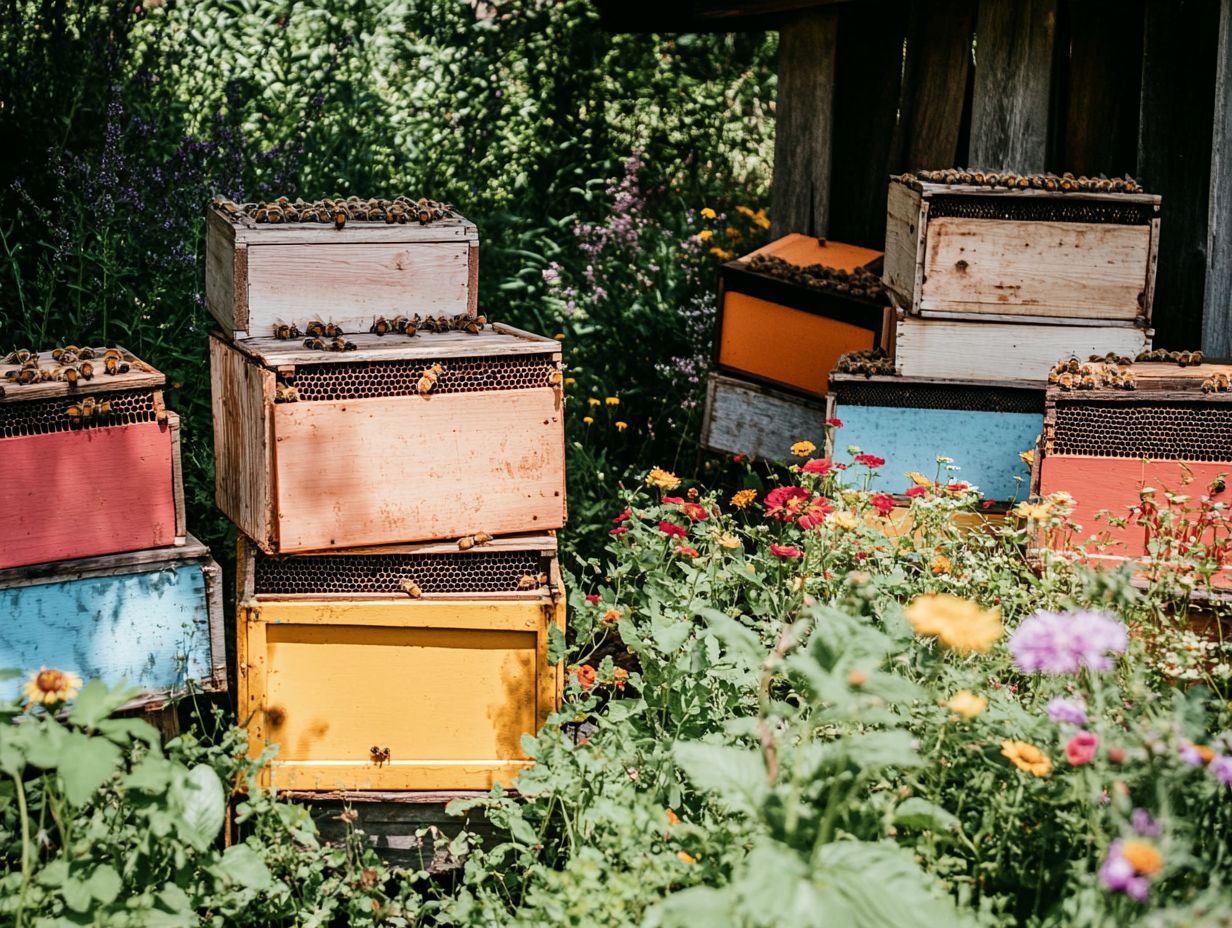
pixel 43 742
pixel 669 634
pixel 205 806
pixel 121 731
pixel 521 831
pixel 154 774
pixel 737 775
pixel 920 813
pixel 241 865
pixel 883 887
pixel 556 644
pixel 104 884
pixel 96 701
pixel 76 893
pixel 93 761
pixel 700 905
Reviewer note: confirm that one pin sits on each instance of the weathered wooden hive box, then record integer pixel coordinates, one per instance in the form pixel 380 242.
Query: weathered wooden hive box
pixel 1104 445
pixel 88 468
pixel 995 283
pixel 152 619
pixel 260 274
pixel 910 422
pixel 782 327
pixel 361 457
pixel 759 421
pixel 364 687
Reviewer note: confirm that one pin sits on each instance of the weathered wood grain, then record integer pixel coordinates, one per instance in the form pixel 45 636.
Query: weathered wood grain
pixel 429 346
pixel 804 117
pixel 1009 115
pixel 1217 312
pixel 906 222
pixel 140 376
pixel 746 418
pixel 227 302
pixel 1003 351
pixel 410 468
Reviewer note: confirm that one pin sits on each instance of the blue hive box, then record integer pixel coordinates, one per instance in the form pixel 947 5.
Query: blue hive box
pixel 908 421
pixel 152 619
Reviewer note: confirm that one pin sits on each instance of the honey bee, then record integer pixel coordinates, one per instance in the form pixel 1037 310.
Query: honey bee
pixel 527 582
pixel 86 354
pixel 27 375
pixel 340 219
pixel 332 330
pixel 482 538
pixel 314 344
pixel 1053 376
pixel 315 329
pixel 380 326
pixel 1066 381
pixel 341 344
pixel 86 409
pixel 428 381
pixel 1218 485
pixel 1129 380
pixel 69 375
pixel 556 378
pixel 285 332
pixel 410 588
pixel 113 365
pixel 466 542
pixel 284 393
pixel 20 356
pixel 379 755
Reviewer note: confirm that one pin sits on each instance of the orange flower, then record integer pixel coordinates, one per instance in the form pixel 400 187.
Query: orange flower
pixel 585 676
pixel 612 615
pixel 1144 858
pixel 686 857
pixel 620 677
pixel 940 565
pixel 744 498
pixel 1027 757
pixel 672 818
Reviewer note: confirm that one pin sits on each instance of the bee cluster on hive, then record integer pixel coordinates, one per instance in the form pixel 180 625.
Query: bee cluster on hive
pixel 69 365
pixel 1110 370
pixel 1183 358
pixel 1059 183
pixel 860 283
pixel 329 336
pixel 868 363
pixel 339 210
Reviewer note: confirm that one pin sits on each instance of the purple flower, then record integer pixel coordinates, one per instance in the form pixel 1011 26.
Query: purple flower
pixel 551 273
pixel 1221 768
pixel 1144 824
pixel 1073 711
pixel 1190 754
pixel 1065 642
pixel 1119 876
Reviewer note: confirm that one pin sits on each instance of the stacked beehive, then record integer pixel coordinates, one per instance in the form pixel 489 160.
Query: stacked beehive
pixel 786 313
pixel 98 575
pixel 993 278
pixel 1148 445
pixel 397 482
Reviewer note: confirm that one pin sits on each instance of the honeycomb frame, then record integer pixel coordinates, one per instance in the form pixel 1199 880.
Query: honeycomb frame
pixel 332 382
pixel 46 416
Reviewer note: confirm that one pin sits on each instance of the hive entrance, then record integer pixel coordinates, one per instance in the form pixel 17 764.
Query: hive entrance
pixel 1164 431
pixel 938 396
pixel 41 417
pixel 478 572
pixel 1041 209
pixel 363 379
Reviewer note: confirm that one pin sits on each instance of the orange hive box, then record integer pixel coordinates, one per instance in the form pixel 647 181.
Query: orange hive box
pixel 89 468
pixel 1105 445
pixel 336 659
pixel 789 335
pixel 323 449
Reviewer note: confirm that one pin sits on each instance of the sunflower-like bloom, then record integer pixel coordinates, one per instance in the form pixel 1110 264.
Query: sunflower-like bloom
pixel 1027 758
pixel 966 704
pixel 50 687
pixel 959 624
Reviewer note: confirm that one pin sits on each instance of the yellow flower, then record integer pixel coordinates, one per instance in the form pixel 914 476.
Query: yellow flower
pixel 919 479
pixel 1037 512
pixel 761 220
pixel 845 520
pixel 49 687
pixel 802 449
pixel 722 254
pixel 570 381
pixel 959 624
pixel 730 541
pixel 686 857
pixel 1027 757
pixel 1144 858
pixel 612 401
pixel 966 704
pixel 559 336
pixel 705 235
pixel 708 213
pixel 589 420
pixel 594 401
pixel 940 565
pixel 1027 457
pixel 621 426
pixel 663 479
pixel 745 211
pixel 743 499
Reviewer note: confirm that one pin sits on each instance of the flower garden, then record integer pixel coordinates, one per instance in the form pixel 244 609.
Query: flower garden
pixel 789 698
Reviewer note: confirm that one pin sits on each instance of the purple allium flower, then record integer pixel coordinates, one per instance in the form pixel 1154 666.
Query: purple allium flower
pixel 1190 754
pixel 1221 768
pixel 1144 824
pixel 1065 642
pixel 1119 876
pixel 1073 711
pixel 551 273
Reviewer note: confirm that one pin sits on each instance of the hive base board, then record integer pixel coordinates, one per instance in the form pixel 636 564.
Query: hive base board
pixel 747 418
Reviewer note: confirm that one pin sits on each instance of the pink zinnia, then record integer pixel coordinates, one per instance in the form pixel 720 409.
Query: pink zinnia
pixel 786 551
pixel 870 460
pixel 916 491
pixel 673 500
pixel 593 599
pixel 883 503
pixel 686 551
pixel 956 487
pixel 818 466
pixel 1081 748
pixel 785 503
pixel 814 514
pixel 673 530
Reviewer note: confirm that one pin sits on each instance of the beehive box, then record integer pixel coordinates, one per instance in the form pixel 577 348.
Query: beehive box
pixel 909 422
pixel 742 417
pixel 73 486
pixel 334 659
pixel 784 334
pixel 362 458
pixel 1104 445
pixel 152 619
pixel 1020 351
pixel 975 252
pixel 257 275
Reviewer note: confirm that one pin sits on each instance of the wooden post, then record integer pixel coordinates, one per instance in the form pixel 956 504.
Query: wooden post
pixel 800 198
pixel 1013 71
pixel 1217 311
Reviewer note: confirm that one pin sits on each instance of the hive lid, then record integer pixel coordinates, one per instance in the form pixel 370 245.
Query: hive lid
pixel 1155 381
pixel 928 189
pixel 126 562
pixel 495 339
pixel 244 230
pixel 806 249
pixel 139 376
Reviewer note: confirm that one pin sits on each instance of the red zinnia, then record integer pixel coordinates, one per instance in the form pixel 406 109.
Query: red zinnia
pixel 835 423
pixel 814 514
pixel 956 487
pixel 624 515
pixel 785 503
pixel 686 551
pixel 695 512
pixel 917 491
pixel 738 458
pixel 871 460
pixel 987 504
pixel 618 531
pixel 786 551
pixel 1081 748
pixel 675 531
pixel 883 503
pixel 673 500
pixel 818 466
pixel 593 599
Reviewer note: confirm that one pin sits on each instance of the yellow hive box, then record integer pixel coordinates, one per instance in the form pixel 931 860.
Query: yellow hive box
pixel 363 687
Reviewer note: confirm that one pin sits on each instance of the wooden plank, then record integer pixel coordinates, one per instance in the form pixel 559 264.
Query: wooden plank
pixel 929 189
pixel 1013 66
pixel 106 565
pixel 428 346
pixel 905 230
pixel 177 477
pixel 351 284
pixel 1061 269
pixel 543 542
pixel 115 486
pixel 745 418
pixel 804 116
pixel 243 397
pixel 140 376
pixel 476 613
pixel 936 69
pixel 1003 351
pixel 1174 155
pixel 221 258
pixel 867 75
pixel 212 575
pixel 1217 312
pixel 454 464
pixel 355 233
